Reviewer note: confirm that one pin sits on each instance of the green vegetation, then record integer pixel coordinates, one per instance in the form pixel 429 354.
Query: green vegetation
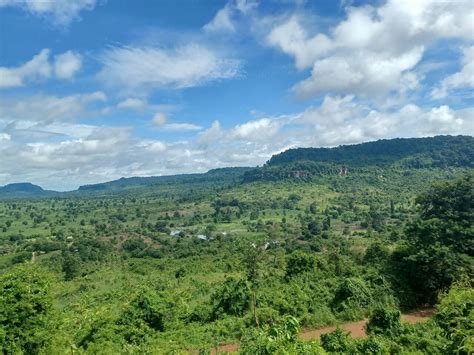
pixel 177 264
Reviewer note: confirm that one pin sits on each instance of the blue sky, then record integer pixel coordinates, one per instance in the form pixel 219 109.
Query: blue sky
pixel 93 90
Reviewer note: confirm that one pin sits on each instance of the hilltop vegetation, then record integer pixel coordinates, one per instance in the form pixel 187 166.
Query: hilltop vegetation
pixel 437 151
pixel 157 265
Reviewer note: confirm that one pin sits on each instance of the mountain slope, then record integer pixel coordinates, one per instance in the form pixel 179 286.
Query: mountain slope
pixel 437 151
pixel 23 190
pixel 400 154
pixel 214 176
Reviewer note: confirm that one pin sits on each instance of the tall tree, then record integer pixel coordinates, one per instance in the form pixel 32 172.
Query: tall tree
pixel 440 241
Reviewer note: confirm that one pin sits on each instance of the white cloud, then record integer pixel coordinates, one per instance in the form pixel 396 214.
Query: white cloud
pixel 223 21
pixel 180 127
pixel 39 68
pixel 213 133
pixel 375 50
pixel 148 68
pixel 43 108
pixel 157 147
pixel 257 130
pixel 36 69
pixel 342 120
pixel 61 12
pixel 292 38
pixel 66 65
pixel 462 79
pixel 362 73
pixel 132 103
pixel 159 118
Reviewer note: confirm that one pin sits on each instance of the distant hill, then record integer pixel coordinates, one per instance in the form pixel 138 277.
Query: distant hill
pixel 24 189
pixel 218 177
pixel 436 151
pixel 399 153
pixel 214 176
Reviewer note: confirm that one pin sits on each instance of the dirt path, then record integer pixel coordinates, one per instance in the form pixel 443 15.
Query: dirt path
pixel 357 330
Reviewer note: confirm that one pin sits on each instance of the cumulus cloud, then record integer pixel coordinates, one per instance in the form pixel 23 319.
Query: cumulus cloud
pixel 61 12
pixel 375 50
pixel 36 69
pixel 257 130
pixel 39 68
pixel 343 120
pixel 462 79
pixel 66 65
pixel 145 68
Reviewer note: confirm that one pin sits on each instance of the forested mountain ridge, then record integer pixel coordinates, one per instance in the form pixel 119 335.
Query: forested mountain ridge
pixel 228 175
pixel 300 163
pixel 436 151
pixel 24 189
pixel 400 154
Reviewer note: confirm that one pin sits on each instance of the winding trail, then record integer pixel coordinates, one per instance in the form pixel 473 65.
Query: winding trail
pixel 356 329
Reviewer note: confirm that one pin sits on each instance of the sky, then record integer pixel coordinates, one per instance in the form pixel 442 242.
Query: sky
pixel 95 90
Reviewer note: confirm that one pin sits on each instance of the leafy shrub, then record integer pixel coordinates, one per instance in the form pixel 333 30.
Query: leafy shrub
pixel 135 246
pixel 376 254
pixel 232 298
pixel 21 257
pixel 372 345
pixel 300 262
pixel 147 313
pixel 455 316
pixel 384 321
pixel 26 318
pixel 338 341
pixel 71 265
pixel 352 297
pixel 281 338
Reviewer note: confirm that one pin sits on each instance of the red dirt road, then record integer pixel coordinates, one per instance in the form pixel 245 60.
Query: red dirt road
pixel 356 329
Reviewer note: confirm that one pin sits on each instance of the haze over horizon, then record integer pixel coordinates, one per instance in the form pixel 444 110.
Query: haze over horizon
pixel 91 91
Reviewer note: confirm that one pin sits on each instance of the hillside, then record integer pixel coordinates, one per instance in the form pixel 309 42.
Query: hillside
pixel 394 154
pixel 436 151
pixel 219 176
pixel 25 190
